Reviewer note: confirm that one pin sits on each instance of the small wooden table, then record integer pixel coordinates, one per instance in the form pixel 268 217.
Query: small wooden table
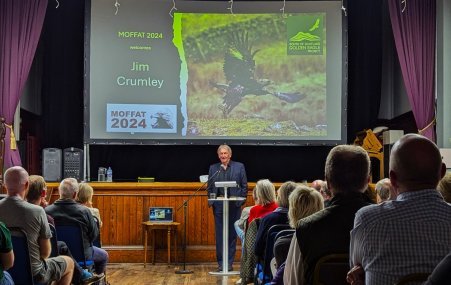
pixel 152 226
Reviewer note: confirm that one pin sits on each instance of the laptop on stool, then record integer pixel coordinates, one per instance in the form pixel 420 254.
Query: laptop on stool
pixel 161 214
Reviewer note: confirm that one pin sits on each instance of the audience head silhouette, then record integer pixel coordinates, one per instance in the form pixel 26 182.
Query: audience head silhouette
pixel 347 169
pixel 284 192
pixel 265 192
pixel 85 193
pixel 303 202
pixel 415 164
pixel 68 188
pixel 385 190
pixel 16 181
pixel 36 189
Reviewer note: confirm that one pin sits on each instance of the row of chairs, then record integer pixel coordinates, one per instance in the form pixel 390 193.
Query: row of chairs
pixel 71 234
pixel 264 274
pixel 329 270
pixel 21 270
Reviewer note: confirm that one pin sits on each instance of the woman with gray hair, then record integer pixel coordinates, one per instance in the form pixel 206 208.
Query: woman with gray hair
pixel 266 200
pixel 385 191
pixel 278 216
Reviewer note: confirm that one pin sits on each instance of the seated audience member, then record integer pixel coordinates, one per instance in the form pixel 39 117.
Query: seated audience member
pixel 412 233
pixel 347 172
pixel 6 255
pixel 37 192
pixel 442 272
pixel 317 184
pixel 303 202
pixel 67 210
pixel 385 191
pixel 321 186
pixel 36 195
pixel 248 259
pixel 266 197
pixel 444 187
pixel 278 216
pixel 240 225
pixel 15 212
pixel 84 197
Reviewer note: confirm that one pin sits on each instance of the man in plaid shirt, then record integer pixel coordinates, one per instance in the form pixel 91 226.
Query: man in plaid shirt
pixel 410 234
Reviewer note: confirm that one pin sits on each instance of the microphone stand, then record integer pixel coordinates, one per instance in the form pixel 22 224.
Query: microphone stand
pixel 185 207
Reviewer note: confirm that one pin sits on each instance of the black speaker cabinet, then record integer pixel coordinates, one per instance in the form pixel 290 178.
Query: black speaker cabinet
pixel 73 163
pixel 52 164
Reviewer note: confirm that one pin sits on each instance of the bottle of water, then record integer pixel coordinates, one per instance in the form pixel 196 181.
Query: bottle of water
pixel 109 175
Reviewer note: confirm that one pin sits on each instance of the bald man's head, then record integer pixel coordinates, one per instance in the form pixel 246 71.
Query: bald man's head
pixel 16 180
pixel 415 164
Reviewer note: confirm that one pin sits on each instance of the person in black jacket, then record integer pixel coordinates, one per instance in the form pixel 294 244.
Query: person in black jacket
pixel 67 210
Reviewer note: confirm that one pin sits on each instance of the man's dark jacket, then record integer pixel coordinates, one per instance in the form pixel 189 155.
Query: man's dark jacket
pixel 328 231
pixel 68 211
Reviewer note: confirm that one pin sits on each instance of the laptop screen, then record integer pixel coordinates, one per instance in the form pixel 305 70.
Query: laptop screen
pixel 161 214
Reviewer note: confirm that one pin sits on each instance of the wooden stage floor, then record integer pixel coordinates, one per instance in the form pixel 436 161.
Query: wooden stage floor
pixel 136 274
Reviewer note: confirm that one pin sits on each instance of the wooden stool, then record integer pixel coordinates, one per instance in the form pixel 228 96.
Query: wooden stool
pixel 152 226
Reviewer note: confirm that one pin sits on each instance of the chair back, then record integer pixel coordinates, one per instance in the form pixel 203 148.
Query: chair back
pixel 331 270
pixel 21 270
pixel 54 241
pixel 97 242
pixel 269 251
pixel 282 251
pixel 249 259
pixel 72 235
pixel 414 278
pixel 283 233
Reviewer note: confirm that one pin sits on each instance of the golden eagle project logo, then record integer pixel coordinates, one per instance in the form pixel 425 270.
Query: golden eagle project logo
pixel 305 34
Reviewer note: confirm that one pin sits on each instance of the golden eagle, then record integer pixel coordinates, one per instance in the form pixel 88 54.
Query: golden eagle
pixel 239 69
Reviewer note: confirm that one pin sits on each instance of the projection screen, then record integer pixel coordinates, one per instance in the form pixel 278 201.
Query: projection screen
pixel 215 71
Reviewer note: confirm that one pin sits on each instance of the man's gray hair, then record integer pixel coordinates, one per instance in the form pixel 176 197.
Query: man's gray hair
pixel 68 187
pixel 229 150
pixel 383 189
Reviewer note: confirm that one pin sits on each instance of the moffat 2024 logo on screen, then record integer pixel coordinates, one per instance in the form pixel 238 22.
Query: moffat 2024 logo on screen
pixel 305 34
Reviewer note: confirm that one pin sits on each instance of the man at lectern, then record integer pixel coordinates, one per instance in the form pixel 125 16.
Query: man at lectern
pixel 226 170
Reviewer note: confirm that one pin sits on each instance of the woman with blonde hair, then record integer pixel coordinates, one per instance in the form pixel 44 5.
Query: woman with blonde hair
pixel 84 197
pixel 303 202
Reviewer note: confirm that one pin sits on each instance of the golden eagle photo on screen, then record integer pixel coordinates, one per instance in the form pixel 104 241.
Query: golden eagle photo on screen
pixel 239 69
pixel 242 81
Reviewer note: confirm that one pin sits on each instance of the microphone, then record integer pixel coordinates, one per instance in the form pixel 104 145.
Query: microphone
pixel 223 167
